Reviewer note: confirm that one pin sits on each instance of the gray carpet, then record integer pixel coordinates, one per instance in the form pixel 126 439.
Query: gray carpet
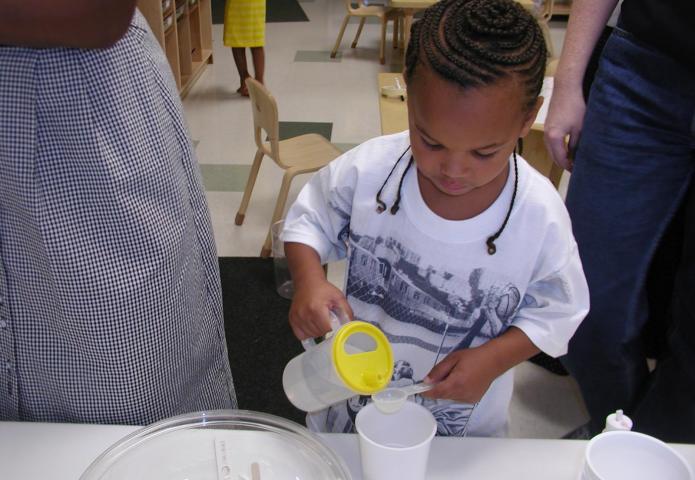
pixel 259 338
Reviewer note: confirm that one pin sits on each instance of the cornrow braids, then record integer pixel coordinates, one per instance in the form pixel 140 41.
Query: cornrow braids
pixel 475 43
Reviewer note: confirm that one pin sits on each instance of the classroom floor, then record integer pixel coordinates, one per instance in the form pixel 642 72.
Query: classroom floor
pixel 338 98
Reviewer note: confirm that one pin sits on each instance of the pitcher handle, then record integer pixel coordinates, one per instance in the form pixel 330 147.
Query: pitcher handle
pixel 337 318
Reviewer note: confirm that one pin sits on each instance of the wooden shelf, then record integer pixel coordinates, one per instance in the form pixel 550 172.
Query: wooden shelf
pixel 187 42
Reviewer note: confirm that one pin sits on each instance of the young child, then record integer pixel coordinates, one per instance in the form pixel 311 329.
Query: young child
pixel 244 27
pixel 457 249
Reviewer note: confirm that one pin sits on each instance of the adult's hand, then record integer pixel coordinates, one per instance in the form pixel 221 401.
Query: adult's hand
pixel 567 107
pixel 563 125
pixel 64 23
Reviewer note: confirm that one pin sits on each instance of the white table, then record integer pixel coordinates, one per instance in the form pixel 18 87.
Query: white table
pixel 39 451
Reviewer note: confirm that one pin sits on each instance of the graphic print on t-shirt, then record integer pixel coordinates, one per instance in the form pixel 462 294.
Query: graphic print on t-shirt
pixel 426 311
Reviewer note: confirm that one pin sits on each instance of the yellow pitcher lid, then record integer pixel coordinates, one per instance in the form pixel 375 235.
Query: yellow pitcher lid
pixel 364 372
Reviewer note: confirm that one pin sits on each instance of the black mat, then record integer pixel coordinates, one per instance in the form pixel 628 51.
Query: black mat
pixel 275 11
pixel 259 338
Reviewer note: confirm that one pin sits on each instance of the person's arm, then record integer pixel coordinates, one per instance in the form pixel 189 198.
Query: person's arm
pixel 313 295
pixel 64 23
pixel 566 112
pixel 465 375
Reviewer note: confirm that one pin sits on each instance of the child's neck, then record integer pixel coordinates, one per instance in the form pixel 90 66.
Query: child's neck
pixel 465 206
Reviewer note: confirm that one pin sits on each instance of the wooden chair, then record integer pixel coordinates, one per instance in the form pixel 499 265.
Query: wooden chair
pixel 297 155
pixel 357 8
pixel 542 10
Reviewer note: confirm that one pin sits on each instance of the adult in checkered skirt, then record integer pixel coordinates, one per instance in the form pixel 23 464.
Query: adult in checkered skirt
pixel 110 302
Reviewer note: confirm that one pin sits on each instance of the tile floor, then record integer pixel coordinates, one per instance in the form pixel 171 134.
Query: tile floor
pixel 338 98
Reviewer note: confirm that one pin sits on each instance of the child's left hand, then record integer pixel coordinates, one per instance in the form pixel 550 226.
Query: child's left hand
pixel 463 376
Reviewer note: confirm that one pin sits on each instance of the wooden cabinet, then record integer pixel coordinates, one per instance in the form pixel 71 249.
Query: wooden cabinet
pixel 184 29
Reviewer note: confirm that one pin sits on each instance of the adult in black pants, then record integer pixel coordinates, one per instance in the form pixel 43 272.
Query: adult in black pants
pixel 631 169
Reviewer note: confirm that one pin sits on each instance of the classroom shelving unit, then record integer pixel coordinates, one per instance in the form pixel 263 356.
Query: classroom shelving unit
pixel 184 30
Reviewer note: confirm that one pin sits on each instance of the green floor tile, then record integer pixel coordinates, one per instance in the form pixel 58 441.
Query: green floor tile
pixel 344 147
pixel 224 178
pixel 293 129
pixel 369 21
pixel 316 56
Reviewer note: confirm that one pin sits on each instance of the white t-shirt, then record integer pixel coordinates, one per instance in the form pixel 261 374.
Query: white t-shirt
pixel 430 284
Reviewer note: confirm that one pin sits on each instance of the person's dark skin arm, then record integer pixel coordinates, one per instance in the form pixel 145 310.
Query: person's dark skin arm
pixel 313 295
pixel 465 375
pixel 64 23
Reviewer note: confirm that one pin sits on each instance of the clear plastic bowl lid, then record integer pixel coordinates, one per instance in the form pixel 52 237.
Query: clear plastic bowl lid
pixel 219 445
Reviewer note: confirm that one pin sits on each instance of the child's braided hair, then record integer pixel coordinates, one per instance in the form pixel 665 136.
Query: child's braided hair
pixel 474 43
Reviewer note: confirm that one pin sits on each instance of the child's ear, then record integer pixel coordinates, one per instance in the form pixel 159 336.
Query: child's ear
pixel 531 116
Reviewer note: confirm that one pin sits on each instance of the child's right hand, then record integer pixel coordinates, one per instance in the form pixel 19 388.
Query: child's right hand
pixel 311 303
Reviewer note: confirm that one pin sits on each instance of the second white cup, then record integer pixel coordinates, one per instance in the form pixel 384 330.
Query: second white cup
pixel 395 446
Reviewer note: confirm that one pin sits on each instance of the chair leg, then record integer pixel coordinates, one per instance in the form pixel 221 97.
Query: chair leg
pixel 382 46
pixel 253 173
pixel 279 210
pixel 340 36
pixel 401 21
pixel 395 32
pixel 548 40
pixel 359 31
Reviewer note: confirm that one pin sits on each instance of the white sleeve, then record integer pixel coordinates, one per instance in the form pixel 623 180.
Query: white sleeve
pixel 555 302
pixel 320 217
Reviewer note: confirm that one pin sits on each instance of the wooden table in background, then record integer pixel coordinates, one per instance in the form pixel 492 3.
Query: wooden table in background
pixel 393 110
pixel 394 118
pixel 409 8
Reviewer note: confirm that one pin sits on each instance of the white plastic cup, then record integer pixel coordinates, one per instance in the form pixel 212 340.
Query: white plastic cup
pixel 283 280
pixel 395 446
pixel 623 454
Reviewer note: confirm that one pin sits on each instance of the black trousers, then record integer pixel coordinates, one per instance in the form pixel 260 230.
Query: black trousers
pixel 667 407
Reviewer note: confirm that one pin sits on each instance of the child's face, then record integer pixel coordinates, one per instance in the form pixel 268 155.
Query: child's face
pixel 461 140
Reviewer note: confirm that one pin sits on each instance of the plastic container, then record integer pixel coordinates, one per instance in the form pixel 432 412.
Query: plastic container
pixel 168 22
pixel 355 358
pixel 180 10
pixel 219 445
pixel 623 454
pixel 281 269
pixel 395 446
pixel 618 421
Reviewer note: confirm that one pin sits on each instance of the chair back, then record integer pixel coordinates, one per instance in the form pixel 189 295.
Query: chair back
pixel 546 11
pixel 265 119
pixel 542 10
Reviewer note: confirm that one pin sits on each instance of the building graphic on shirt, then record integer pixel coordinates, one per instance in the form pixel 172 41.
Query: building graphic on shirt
pixel 430 309
pixel 384 272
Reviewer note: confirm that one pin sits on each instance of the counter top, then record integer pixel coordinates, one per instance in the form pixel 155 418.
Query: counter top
pixel 33 451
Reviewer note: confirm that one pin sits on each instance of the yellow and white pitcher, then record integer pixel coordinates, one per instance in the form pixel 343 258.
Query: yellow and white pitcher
pixel 354 358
